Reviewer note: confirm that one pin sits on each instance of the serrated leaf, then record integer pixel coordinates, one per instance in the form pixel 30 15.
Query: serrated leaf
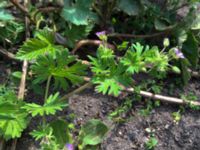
pixel 108 75
pixel 59 69
pixel 109 86
pixel 41 45
pixel 51 106
pixel 93 132
pixel 14 122
pixel 79 13
pixel 42 132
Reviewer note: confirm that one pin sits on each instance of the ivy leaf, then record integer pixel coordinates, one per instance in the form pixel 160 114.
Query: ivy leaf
pixel 93 132
pixel 59 69
pixel 79 13
pixel 41 45
pixel 51 105
pixel 190 49
pixel 131 7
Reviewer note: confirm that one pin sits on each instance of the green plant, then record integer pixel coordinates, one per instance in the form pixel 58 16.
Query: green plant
pixel 92 133
pixel 123 109
pixel 14 119
pixel 151 143
pixel 112 74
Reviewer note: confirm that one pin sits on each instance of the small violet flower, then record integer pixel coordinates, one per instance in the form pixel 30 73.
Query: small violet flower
pixel 69 146
pixel 102 35
pixel 178 53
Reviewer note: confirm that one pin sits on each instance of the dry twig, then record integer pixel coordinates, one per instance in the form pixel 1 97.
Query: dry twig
pixel 7 54
pixel 82 43
pixel 142 93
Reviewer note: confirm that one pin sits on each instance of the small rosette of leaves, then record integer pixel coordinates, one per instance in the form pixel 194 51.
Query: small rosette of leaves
pixel 63 68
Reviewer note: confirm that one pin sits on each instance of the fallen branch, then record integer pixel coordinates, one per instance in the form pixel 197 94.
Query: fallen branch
pixel 142 93
pixel 82 43
pixel 164 98
pixel 49 9
pixel 194 73
pixel 121 35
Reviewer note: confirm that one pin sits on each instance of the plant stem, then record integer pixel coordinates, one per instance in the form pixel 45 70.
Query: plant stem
pixel 78 90
pixel 47 88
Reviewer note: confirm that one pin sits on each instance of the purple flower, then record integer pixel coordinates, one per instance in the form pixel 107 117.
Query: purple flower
pixel 102 33
pixel 178 53
pixel 69 146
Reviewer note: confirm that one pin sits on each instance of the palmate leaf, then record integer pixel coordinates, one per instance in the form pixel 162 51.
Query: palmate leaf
pixel 79 13
pixel 42 132
pixel 42 44
pixel 109 76
pixel 133 59
pixel 109 86
pixel 51 105
pixel 14 120
pixel 59 69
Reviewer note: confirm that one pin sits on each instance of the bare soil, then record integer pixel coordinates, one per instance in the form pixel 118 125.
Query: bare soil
pixel 184 135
